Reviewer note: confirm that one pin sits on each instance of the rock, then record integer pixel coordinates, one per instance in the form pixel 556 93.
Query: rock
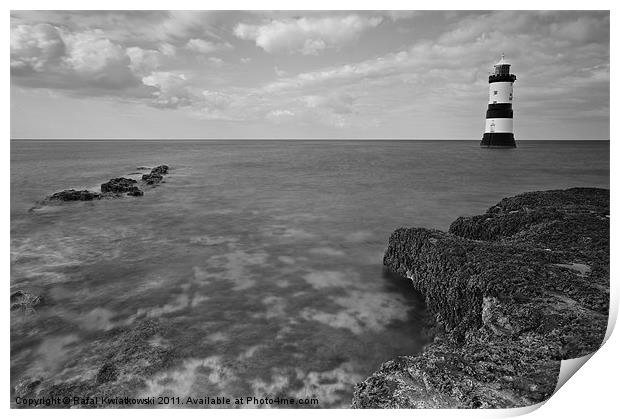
pixel 156 175
pixel 135 192
pixel 504 287
pixel 161 170
pixel 24 301
pixel 519 213
pixel 143 168
pixel 74 195
pixel 152 178
pixel 119 185
pixel 114 188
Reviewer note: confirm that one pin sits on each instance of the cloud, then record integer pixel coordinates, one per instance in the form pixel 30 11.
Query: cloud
pixel 338 103
pixel 185 24
pixel 172 89
pixel 36 47
pixel 70 60
pixel 217 100
pixel 168 49
pixel 205 47
pixel 395 15
pixel 99 60
pixel 144 61
pixel 216 61
pixel 307 36
pixel 279 115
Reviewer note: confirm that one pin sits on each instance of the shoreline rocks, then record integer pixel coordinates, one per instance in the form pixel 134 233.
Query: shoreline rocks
pixel 516 290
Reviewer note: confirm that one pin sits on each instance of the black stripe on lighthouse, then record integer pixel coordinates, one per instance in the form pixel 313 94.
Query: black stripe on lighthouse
pixel 498 139
pixel 503 112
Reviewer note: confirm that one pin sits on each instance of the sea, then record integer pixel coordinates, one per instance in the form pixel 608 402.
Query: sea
pixel 264 258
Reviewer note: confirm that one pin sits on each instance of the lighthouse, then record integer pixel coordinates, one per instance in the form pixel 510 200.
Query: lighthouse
pixel 498 132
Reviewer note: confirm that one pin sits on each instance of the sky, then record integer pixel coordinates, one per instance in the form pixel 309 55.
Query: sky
pixel 304 74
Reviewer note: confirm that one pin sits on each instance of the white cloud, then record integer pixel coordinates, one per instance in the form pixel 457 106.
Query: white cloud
pixel 36 46
pixel 144 61
pixel 70 59
pixel 307 36
pixel 279 115
pixel 216 61
pixel 168 49
pixel 337 103
pixel 217 100
pixel 205 47
pixel 172 89
pixel 184 24
pixel 92 52
pixel 376 66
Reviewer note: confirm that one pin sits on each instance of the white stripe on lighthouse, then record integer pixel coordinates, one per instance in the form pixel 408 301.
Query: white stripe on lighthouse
pixel 500 92
pixel 498 125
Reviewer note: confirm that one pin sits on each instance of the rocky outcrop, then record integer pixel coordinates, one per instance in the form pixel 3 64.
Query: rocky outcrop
pixel 120 185
pixel 73 195
pixel 516 290
pixel 161 170
pixel 152 178
pixel 156 175
pixel 114 188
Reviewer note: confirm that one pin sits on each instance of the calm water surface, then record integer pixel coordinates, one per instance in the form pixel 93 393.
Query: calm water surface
pixel 265 255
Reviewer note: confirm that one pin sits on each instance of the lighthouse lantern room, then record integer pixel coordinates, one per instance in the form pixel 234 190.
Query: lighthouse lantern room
pixel 498 131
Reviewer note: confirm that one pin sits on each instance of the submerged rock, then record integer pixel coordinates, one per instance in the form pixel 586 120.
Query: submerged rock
pixel 504 287
pixel 124 359
pixel 74 195
pixel 152 178
pixel 135 192
pixel 24 301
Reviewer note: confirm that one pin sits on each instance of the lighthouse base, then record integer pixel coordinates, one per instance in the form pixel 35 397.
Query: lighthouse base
pixel 498 140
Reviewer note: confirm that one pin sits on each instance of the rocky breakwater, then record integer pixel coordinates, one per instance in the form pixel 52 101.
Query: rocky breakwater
pixel 114 188
pixel 515 291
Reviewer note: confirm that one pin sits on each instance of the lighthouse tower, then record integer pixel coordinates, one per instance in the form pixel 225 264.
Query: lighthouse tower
pixel 498 128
